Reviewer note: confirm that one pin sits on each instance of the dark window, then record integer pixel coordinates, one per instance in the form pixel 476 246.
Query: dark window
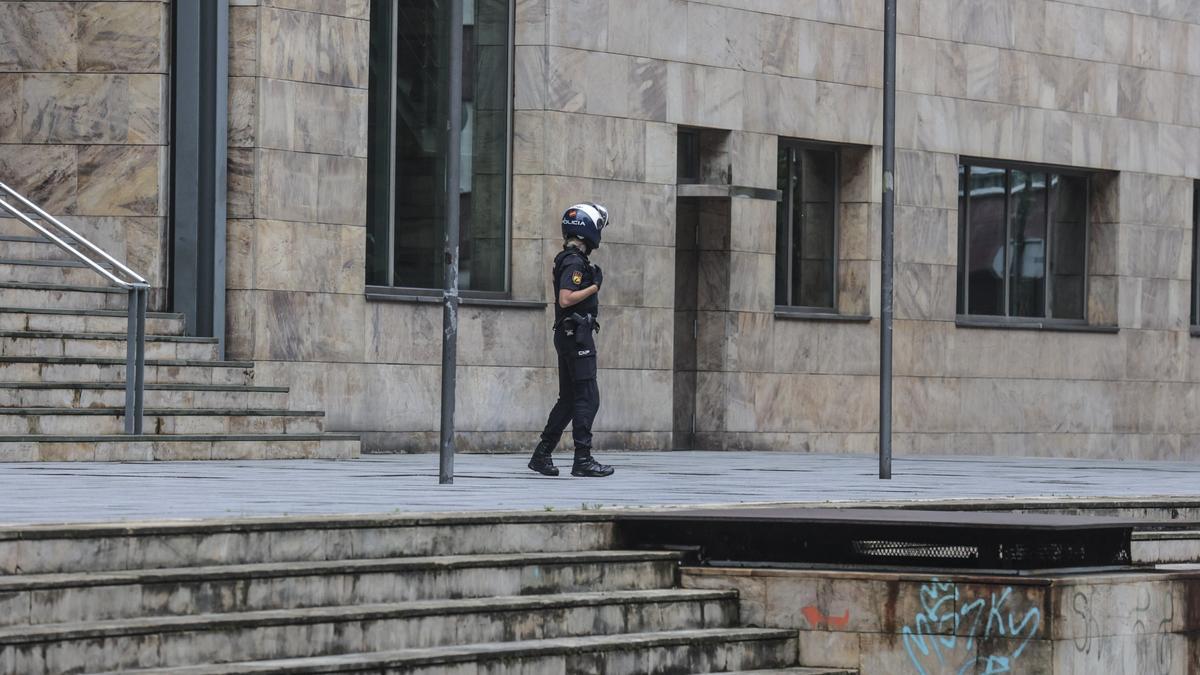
pixel 407 191
pixel 1196 253
pixel 1022 242
pixel 806 227
pixel 688 158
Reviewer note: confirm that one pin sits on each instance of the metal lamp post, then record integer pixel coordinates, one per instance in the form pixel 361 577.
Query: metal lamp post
pixel 450 290
pixel 887 262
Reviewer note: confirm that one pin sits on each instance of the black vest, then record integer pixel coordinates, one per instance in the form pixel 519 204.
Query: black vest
pixel 568 257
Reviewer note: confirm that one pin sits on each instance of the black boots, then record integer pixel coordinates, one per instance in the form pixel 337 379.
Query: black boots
pixel 541 461
pixel 586 466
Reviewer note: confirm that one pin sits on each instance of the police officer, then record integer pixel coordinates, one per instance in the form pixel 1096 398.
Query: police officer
pixel 577 285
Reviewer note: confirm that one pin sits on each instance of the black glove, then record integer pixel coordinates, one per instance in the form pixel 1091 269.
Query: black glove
pixel 597 276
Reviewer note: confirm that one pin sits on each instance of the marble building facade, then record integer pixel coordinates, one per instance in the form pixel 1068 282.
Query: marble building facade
pixel 695 350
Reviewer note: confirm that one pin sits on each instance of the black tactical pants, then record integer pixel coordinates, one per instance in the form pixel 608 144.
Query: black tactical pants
pixel 578 394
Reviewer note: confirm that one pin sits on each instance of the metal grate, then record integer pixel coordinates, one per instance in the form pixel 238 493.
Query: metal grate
pixel 899 538
pixel 908 549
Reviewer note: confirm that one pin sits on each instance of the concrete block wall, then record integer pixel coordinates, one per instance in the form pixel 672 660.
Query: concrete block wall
pixel 83 121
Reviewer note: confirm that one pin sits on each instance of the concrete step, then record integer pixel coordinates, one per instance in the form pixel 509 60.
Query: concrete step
pixel 48 369
pixel 31 247
pixel 112 395
pixel 103 547
pixel 100 596
pixel 104 345
pixel 185 421
pixel 69 272
pixel 1166 547
pixel 324 631
pixel 86 321
pixel 659 653
pixel 180 447
pixel 796 670
pixel 58 296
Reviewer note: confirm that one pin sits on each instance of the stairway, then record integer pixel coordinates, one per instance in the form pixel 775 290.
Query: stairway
pixel 62 374
pixel 501 593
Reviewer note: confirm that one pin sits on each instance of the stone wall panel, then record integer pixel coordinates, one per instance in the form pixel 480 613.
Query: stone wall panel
pixel 243 112
pixel 493 337
pixel 529 88
pixel 82 108
pixel 705 96
pixel 47 175
pixel 341 190
pixel 926 292
pixel 752 225
pixel 39 36
pixel 812 403
pixel 403 333
pixel 286 185
pixel 312 257
pixel 724 37
pixel 510 399
pixel 297 326
pixel 123 37
pixel 121 180
pixel 243 40
pixel 316 48
pixel 577 23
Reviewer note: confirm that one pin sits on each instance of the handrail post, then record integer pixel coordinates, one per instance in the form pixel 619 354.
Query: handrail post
pixel 143 295
pixel 135 360
pixel 132 422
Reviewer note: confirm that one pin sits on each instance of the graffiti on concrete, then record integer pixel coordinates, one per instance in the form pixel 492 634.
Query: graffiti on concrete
pixel 942 636
pixel 1153 619
pixel 817 619
pixel 1081 607
pixel 1153 623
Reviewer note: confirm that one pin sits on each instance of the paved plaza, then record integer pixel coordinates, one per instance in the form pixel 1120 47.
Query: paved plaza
pixel 55 493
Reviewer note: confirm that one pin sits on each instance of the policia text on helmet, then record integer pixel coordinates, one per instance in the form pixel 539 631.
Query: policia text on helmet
pixel 577 285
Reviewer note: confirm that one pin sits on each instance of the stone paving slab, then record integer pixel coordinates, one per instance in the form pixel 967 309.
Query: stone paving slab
pixel 102 492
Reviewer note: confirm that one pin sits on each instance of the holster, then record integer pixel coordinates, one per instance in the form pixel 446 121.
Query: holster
pixel 586 322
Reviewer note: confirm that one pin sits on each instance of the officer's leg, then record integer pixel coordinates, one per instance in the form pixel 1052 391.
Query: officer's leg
pixel 560 414
pixel 556 422
pixel 586 404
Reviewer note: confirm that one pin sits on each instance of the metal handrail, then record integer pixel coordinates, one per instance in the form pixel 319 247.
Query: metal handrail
pixel 137 278
pixel 137 286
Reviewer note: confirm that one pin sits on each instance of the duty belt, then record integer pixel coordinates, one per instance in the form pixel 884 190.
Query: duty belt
pixel 568 323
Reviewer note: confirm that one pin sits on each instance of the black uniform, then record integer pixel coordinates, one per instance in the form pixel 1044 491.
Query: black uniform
pixel 574 340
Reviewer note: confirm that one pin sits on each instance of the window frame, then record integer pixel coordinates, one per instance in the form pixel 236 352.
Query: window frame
pixel 836 210
pixel 390 217
pixel 962 283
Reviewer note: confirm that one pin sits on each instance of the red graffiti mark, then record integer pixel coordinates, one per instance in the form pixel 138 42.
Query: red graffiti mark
pixel 816 618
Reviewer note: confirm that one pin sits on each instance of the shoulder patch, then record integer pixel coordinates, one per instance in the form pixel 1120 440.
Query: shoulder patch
pixel 577 277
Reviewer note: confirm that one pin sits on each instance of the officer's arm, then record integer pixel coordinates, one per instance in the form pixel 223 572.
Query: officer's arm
pixel 568 298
